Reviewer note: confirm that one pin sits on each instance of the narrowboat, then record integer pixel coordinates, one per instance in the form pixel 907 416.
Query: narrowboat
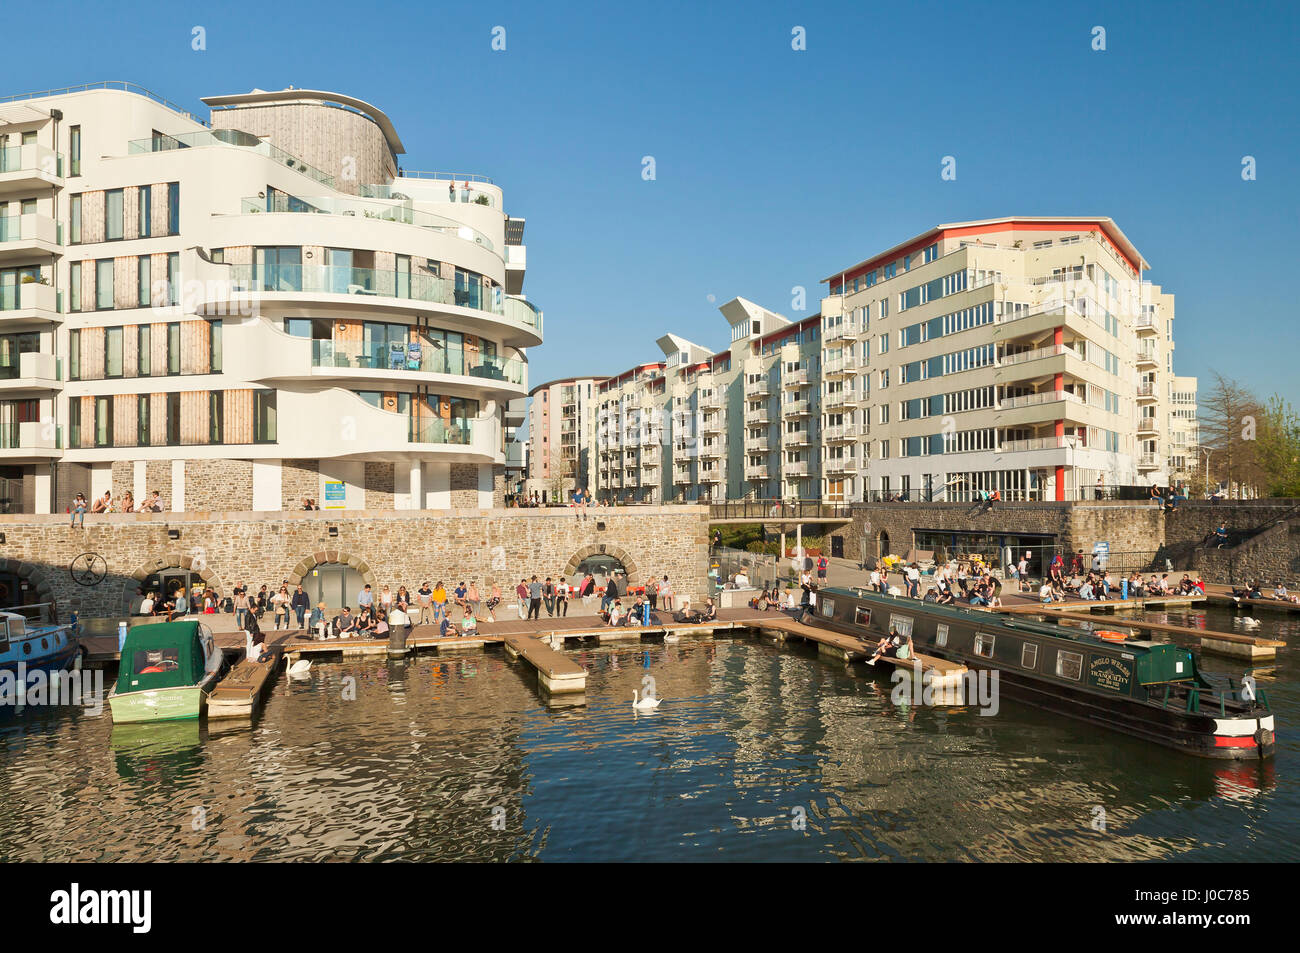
pixel 1152 690
pixel 165 673
pixel 26 647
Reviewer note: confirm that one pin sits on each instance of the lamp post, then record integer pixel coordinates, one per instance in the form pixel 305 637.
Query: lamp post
pixel 1207 451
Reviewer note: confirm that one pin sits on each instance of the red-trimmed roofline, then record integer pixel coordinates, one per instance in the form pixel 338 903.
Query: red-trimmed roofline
pixel 628 374
pixel 939 234
pixel 793 329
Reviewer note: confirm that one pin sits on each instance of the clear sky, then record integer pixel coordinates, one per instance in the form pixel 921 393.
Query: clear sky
pixel 776 167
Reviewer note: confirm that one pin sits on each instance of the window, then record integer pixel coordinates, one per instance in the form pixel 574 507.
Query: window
pixel 173 419
pixel 264 422
pixel 74 422
pixel 74 286
pixel 142 420
pixel 142 351
pixel 74 150
pixel 902 624
pixel 1029 655
pixel 103 284
pixel 74 220
pixel 173 350
pixel 174 278
pixel 827 607
pixel 941 634
pixel 113 215
pixel 214 346
pixel 113 352
pixel 214 416
pixel 143 272
pixel 984 645
pixel 74 360
pixel 146 211
pixel 103 421
pixel 1069 664
pixel 862 616
pixel 173 208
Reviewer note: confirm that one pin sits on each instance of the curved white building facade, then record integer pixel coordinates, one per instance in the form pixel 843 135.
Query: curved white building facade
pixel 248 312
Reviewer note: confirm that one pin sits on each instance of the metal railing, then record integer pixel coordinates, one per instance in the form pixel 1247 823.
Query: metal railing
pixel 228 137
pixel 767 510
pixel 106 84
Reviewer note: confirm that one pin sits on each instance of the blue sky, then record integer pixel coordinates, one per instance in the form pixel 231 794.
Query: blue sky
pixel 774 168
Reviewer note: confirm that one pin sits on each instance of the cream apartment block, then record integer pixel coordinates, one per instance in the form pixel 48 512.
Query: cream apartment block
pixel 561 436
pixel 1184 429
pixel 700 425
pixel 249 310
pixel 1024 355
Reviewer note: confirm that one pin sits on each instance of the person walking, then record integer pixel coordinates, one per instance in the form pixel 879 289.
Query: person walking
pixel 241 607
pixel 562 597
pixel 611 593
pixel 822 565
pixel 494 600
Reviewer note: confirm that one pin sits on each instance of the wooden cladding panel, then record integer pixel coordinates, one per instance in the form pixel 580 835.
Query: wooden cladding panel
pixel 131 211
pixel 237 416
pixel 158 273
pixel 131 351
pixel 126 282
pixel 88 285
pixel 196 347
pixel 239 255
pixel 158 350
pixel 124 420
pixel 92 353
pixel 92 217
pixel 158 420
pixel 158 224
pixel 87 421
pixel 194 418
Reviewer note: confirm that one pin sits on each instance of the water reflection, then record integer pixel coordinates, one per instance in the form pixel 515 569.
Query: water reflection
pixel 757 752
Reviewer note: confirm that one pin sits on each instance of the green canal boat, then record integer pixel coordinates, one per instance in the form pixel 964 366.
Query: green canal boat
pixel 165 673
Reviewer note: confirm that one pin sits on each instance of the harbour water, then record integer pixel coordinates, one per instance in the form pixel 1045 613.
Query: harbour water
pixel 757 752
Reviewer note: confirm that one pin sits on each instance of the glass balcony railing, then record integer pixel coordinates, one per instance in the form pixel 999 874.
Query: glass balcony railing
pixel 328 205
pixel 227 137
pixel 458 432
pixel 426 359
pixel 37 159
pixel 339 279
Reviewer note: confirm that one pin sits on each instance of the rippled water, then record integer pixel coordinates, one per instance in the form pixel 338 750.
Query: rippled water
pixel 758 752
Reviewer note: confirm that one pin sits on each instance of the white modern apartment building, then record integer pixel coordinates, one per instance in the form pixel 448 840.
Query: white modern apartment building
pixel 246 311
pixel 1024 355
pixel 561 436
pixel 699 425
pixel 1184 429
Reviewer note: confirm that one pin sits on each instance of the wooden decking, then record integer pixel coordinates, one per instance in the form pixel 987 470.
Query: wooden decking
pixel 239 694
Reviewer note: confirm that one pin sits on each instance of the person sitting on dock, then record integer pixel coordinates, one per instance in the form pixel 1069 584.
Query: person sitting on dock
pixel 1057 572
pixel 445 628
pixel 344 624
pixel 710 611
pixel 615 614
pixel 317 622
pixel 894 645
pixel 469 625
pixel 1086 591
pixel 771 599
pixel 1045 593
pixel 685 613
pixel 945 597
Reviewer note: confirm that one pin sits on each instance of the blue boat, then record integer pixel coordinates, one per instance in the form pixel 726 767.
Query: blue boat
pixel 31 647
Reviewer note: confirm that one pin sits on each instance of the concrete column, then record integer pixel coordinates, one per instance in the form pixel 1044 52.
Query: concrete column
pixel 798 543
pixel 44 502
pixel 417 486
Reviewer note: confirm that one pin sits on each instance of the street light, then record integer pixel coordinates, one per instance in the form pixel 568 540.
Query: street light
pixel 1207 451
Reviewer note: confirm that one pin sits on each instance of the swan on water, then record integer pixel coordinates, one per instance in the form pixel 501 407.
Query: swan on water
pixel 299 667
pixel 1249 622
pixel 672 637
pixel 638 702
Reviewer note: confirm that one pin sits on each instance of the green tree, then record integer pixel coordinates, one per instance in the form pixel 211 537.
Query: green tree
pixel 1278 447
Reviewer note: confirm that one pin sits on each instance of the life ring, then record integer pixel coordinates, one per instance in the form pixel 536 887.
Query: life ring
pixel 1112 636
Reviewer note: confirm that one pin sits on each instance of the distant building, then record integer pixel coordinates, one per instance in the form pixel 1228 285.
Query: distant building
pixel 561 429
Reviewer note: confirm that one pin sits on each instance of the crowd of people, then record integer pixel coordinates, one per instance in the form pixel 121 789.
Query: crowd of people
pixel 126 503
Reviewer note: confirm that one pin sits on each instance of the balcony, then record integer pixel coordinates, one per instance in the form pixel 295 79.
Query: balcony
pixel 1147 391
pixel 834 400
pixel 713 424
pixel 29 440
pixel 758 388
pixel 682 476
pixel 755 473
pixel 844 465
pixel 756 445
pixel 427 188
pixel 840 433
pixel 418 359
pixel 797 469
pixel 229 138
pixel 34 372
pixel 795 378
pixel 29 167
pixel 29 301
pixel 1148 461
pixel 713 451
pixel 710 400
pixel 1147 425
pixel 1147 358
pixel 283 204
pixel 22 236
pixel 1145 324
pixel 1034 443
pixel 796 408
pixel 1033 400
pixel 835 368
pixel 760 416
pixel 370 290
pixel 796 438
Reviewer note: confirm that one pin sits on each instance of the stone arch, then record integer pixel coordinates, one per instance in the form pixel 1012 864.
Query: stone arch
pixel 40 587
pixel 603 549
pixel 195 564
pixel 307 563
pixel 882 544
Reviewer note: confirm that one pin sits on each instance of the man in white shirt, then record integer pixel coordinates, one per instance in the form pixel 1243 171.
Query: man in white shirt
pixel 914 581
pixel 742 581
pixel 875 579
pixel 1045 592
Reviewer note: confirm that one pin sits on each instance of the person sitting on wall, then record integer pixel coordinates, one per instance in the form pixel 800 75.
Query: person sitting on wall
pixel 760 601
pixel 931 594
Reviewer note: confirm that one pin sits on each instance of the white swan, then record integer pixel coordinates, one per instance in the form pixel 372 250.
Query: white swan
pixel 672 637
pixel 643 702
pixel 1250 622
pixel 299 667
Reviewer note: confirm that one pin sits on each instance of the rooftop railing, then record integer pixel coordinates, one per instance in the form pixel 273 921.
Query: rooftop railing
pixel 329 205
pixel 106 84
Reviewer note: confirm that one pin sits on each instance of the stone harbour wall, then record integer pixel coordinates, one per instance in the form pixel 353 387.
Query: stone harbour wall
pixel 386 547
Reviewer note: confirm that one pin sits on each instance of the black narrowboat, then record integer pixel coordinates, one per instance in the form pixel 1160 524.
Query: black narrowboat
pixel 1152 690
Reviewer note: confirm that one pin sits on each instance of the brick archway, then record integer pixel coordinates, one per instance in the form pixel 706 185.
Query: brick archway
pixel 614 552
pixel 308 563
pixel 26 572
pixel 197 565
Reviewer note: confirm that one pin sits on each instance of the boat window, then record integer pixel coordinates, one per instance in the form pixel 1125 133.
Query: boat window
pixel 828 607
pixel 862 616
pixel 941 634
pixel 984 645
pixel 1029 655
pixel 153 661
pixel 1069 664
pixel 902 624
pixel 4 636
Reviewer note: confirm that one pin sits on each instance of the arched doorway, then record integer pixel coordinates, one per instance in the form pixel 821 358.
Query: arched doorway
pixel 171 572
pixel 334 578
pixel 606 558
pixel 882 544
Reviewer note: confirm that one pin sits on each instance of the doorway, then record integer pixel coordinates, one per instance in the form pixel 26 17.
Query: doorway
pixel 335 584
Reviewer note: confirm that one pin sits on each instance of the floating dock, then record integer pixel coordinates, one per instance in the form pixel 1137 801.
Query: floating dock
pixel 239 694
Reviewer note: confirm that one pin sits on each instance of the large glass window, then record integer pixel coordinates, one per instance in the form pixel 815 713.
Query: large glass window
pixel 74 356
pixel 113 215
pixel 103 284
pixel 173 350
pixel 146 211
pixel 113 352
pixel 143 352
pixel 264 416
pixel 74 286
pixel 74 220
pixel 215 416
pixel 173 208
pixel 214 346
pixel 173 419
pixel 142 420
pixel 143 266
pixel 74 422
pixel 103 421
pixel 74 150
pixel 278 269
pixel 174 278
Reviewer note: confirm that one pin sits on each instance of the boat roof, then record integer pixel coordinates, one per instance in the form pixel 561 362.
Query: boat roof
pixel 162 634
pixel 991 620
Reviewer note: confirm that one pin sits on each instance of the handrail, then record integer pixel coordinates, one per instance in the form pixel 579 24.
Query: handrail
pixel 106 84
pixel 458 176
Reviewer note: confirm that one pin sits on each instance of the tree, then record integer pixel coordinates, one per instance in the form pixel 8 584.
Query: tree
pixel 562 473
pixel 1278 447
pixel 1229 423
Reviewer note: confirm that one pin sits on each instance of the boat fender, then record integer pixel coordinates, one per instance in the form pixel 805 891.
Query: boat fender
pixel 1263 737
